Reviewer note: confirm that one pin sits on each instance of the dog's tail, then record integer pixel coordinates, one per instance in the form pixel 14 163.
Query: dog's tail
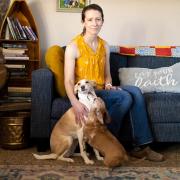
pixel 48 156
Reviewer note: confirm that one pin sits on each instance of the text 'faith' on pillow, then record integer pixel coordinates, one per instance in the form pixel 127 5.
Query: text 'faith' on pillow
pixel 164 79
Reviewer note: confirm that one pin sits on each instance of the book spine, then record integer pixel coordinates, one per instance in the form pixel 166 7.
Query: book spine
pixel 17 29
pixel 14 55
pixel 32 32
pixel 14 28
pixel 11 29
pixel 27 33
pixel 19 89
pixel 7 45
pixel 14 69
pixel 15 100
pixel 21 29
pixel 19 94
pixel 15 65
pixel 13 51
pixel 17 57
pixel 7 33
pixel 17 72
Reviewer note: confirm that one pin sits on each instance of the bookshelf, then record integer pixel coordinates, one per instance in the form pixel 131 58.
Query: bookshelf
pixel 26 57
pixel 20 52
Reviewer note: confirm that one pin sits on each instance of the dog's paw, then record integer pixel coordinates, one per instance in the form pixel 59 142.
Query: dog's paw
pixel 65 159
pixel 89 162
pixel 69 160
pixel 36 155
pixel 100 158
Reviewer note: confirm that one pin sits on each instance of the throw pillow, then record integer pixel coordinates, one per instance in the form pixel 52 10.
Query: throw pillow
pixel 164 79
pixel 55 62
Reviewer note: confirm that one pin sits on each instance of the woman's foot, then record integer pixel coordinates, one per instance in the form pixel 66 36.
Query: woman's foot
pixel 148 154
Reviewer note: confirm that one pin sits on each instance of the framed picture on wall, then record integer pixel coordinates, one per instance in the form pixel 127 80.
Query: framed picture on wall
pixel 71 5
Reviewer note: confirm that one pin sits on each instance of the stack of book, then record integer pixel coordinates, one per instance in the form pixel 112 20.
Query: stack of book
pixel 12 53
pixel 15 51
pixel 15 30
pixel 16 71
pixel 17 95
pixel 20 94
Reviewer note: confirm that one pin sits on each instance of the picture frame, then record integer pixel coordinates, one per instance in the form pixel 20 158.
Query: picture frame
pixel 71 5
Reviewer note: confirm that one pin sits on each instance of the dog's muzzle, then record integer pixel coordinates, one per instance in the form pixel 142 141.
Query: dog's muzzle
pixel 83 88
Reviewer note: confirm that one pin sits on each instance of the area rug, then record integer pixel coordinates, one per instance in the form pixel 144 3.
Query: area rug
pixel 46 172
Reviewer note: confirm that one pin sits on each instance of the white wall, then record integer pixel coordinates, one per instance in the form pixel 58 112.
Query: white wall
pixel 127 22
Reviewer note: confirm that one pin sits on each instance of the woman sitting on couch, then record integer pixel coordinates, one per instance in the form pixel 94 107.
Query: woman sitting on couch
pixel 87 57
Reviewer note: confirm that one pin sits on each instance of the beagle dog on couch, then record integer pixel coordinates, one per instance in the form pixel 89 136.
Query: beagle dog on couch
pixel 66 131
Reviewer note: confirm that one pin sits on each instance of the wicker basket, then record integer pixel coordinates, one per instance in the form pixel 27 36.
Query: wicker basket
pixel 14 130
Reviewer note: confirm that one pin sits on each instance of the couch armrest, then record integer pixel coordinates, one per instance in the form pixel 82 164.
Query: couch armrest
pixel 42 96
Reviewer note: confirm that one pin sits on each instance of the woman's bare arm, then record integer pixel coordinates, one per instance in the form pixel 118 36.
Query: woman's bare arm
pixel 71 54
pixel 108 79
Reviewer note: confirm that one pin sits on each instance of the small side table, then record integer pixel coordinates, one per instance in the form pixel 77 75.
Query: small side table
pixel 15 125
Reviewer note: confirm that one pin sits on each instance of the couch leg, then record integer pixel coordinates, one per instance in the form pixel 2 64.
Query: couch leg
pixel 42 144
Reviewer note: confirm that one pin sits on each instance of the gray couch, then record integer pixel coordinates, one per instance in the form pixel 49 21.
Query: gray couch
pixel 163 108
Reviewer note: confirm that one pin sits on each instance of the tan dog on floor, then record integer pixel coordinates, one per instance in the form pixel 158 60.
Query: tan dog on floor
pixel 66 130
pixel 101 139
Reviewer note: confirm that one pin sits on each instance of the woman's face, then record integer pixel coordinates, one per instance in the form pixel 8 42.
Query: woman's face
pixel 93 22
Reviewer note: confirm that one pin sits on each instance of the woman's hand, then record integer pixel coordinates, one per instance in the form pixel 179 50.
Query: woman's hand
pixel 109 86
pixel 80 111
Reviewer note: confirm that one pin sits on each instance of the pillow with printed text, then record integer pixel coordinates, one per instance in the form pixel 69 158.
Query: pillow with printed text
pixel 164 79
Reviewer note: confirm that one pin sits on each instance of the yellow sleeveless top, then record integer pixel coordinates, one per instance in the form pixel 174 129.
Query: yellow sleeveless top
pixel 90 64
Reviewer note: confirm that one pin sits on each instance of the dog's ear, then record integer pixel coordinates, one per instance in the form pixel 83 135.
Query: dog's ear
pixel 93 83
pixel 105 113
pixel 76 89
pixel 106 117
pixel 97 115
pixel 103 117
pixel 98 119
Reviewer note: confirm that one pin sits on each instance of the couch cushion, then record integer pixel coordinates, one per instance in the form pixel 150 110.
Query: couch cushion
pixel 55 61
pixel 163 107
pixel 151 61
pixel 116 61
pixel 164 79
pixel 163 132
